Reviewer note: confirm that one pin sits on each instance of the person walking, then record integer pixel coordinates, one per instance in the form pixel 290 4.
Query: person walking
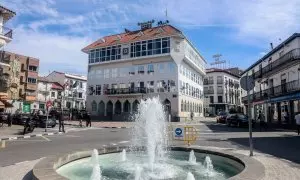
pixel 9 120
pixel 88 120
pixel 297 118
pixel 262 123
pixel 61 122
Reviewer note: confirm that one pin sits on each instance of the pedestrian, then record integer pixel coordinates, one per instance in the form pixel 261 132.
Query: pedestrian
pixel 9 119
pixel 192 115
pixel 88 120
pixel 297 118
pixel 61 122
pixel 262 123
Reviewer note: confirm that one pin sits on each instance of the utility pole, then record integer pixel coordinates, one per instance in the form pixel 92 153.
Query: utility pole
pixel 248 114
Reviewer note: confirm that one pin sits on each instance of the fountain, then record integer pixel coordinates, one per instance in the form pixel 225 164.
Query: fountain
pixel 123 155
pixel 192 158
pixel 96 173
pixel 149 156
pixel 190 176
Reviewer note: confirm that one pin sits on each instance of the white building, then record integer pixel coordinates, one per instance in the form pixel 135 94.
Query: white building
pixel 277 89
pixel 48 91
pixel 134 65
pixel 74 93
pixel 222 91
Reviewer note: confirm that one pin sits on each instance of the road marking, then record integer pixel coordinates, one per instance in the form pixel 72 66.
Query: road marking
pixel 113 144
pixel 50 134
pixel 12 138
pixel 47 139
pixel 104 145
pixel 3 144
pixel 39 135
pixel 123 142
pixel 26 137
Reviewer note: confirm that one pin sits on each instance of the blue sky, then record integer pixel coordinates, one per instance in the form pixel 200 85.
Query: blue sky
pixel 55 31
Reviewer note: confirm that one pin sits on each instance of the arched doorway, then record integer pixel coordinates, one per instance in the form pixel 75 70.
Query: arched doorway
pixel 109 109
pixel 135 105
pixel 118 107
pixel 101 108
pixel 167 106
pixel 126 106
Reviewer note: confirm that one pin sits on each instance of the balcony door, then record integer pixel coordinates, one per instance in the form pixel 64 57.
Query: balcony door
pixel 271 85
pixel 283 86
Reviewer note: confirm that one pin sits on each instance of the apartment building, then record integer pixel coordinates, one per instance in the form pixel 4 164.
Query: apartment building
pixel 49 91
pixel 5 37
pixel 74 89
pixel 150 61
pixel 277 88
pixel 222 91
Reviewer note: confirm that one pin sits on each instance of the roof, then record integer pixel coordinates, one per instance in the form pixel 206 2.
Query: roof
pixel 76 77
pixel 281 45
pixel 212 70
pixel 132 36
pixel 6 13
pixel 43 79
pixel 56 85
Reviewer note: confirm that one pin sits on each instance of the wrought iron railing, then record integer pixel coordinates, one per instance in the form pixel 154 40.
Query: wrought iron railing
pixel 5 31
pixel 136 90
pixel 286 58
pixel 210 91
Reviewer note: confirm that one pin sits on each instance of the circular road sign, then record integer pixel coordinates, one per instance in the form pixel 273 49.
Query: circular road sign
pixel 247 83
pixel 178 131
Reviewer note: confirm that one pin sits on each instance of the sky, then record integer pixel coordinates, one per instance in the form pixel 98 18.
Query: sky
pixel 55 31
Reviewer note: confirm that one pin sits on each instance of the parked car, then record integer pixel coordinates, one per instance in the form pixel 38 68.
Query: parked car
pixel 238 120
pixel 66 113
pixel 221 118
pixel 43 119
pixel 20 119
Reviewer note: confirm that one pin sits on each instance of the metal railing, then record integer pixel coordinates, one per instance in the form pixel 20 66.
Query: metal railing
pixel 286 58
pixel 220 81
pixel 279 90
pixel 5 31
pixel 210 82
pixel 136 90
pixel 220 91
pixel 210 91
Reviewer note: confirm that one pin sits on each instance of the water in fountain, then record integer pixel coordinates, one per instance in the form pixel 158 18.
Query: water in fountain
pixel 208 166
pixel 138 173
pixel 123 154
pixel 96 173
pixel 190 176
pixel 192 158
pixel 150 129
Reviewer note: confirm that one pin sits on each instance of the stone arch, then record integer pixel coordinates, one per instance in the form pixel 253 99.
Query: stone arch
pixel 135 105
pixel 126 107
pixel 94 106
pixel 101 108
pixel 109 108
pixel 118 107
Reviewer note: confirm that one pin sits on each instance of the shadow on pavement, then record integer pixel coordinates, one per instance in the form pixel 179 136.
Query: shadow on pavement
pixel 28 176
pixel 286 147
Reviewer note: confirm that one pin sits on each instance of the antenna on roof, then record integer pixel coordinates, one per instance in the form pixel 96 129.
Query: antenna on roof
pixel 127 31
pixel 218 63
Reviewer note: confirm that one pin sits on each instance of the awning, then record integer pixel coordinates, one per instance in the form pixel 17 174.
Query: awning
pixel 6 104
pixel 295 96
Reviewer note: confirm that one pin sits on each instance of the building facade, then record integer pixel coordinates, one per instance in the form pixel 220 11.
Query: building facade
pixel 20 85
pixel 74 89
pixel 49 91
pixel 222 91
pixel 5 37
pixel 149 62
pixel 276 90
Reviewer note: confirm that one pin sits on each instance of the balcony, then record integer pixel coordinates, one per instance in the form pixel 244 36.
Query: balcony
pixel 6 32
pixel 276 91
pixel 220 81
pixel 118 91
pixel 210 82
pixel 289 57
pixel 210 91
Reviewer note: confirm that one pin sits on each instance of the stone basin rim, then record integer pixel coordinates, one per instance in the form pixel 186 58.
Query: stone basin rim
pixel 46 168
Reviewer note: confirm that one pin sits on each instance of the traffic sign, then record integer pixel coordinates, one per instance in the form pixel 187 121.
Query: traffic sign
pixel 178 132
pixel 247 83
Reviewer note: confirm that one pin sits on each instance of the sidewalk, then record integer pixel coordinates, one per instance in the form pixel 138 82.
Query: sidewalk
pixel 103 124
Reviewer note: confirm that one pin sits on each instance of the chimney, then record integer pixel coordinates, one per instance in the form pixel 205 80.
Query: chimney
pixel 271 44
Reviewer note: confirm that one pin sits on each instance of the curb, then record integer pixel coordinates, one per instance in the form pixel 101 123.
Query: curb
pixel 30 136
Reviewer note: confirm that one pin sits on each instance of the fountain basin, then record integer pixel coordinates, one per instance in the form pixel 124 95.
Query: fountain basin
pixel 232 166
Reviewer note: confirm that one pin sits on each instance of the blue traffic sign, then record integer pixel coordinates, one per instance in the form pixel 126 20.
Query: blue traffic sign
pixel 178 131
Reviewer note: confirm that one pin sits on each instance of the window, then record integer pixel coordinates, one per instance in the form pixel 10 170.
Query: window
pixel 211 99
pixel 172 67
pixel 105 54
pixel 52 94
pixel 219 80
pixel 160 86
pixel 94 106
pixel 150 86
pixel 157 49
pixel 80 95
pixel 161 68
pixel 150 69
pixel 131 70
pixel 98 89
pixel 150 47
pixel 281 53
pixel 106 73
pixel 31 80
pixel 220 99
pixel 32 68
pixel 99 73
pixel 80 85
pixel 165 45
pixel 140 69
pixel 114 72
pixel 171 86
pixel 59 93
